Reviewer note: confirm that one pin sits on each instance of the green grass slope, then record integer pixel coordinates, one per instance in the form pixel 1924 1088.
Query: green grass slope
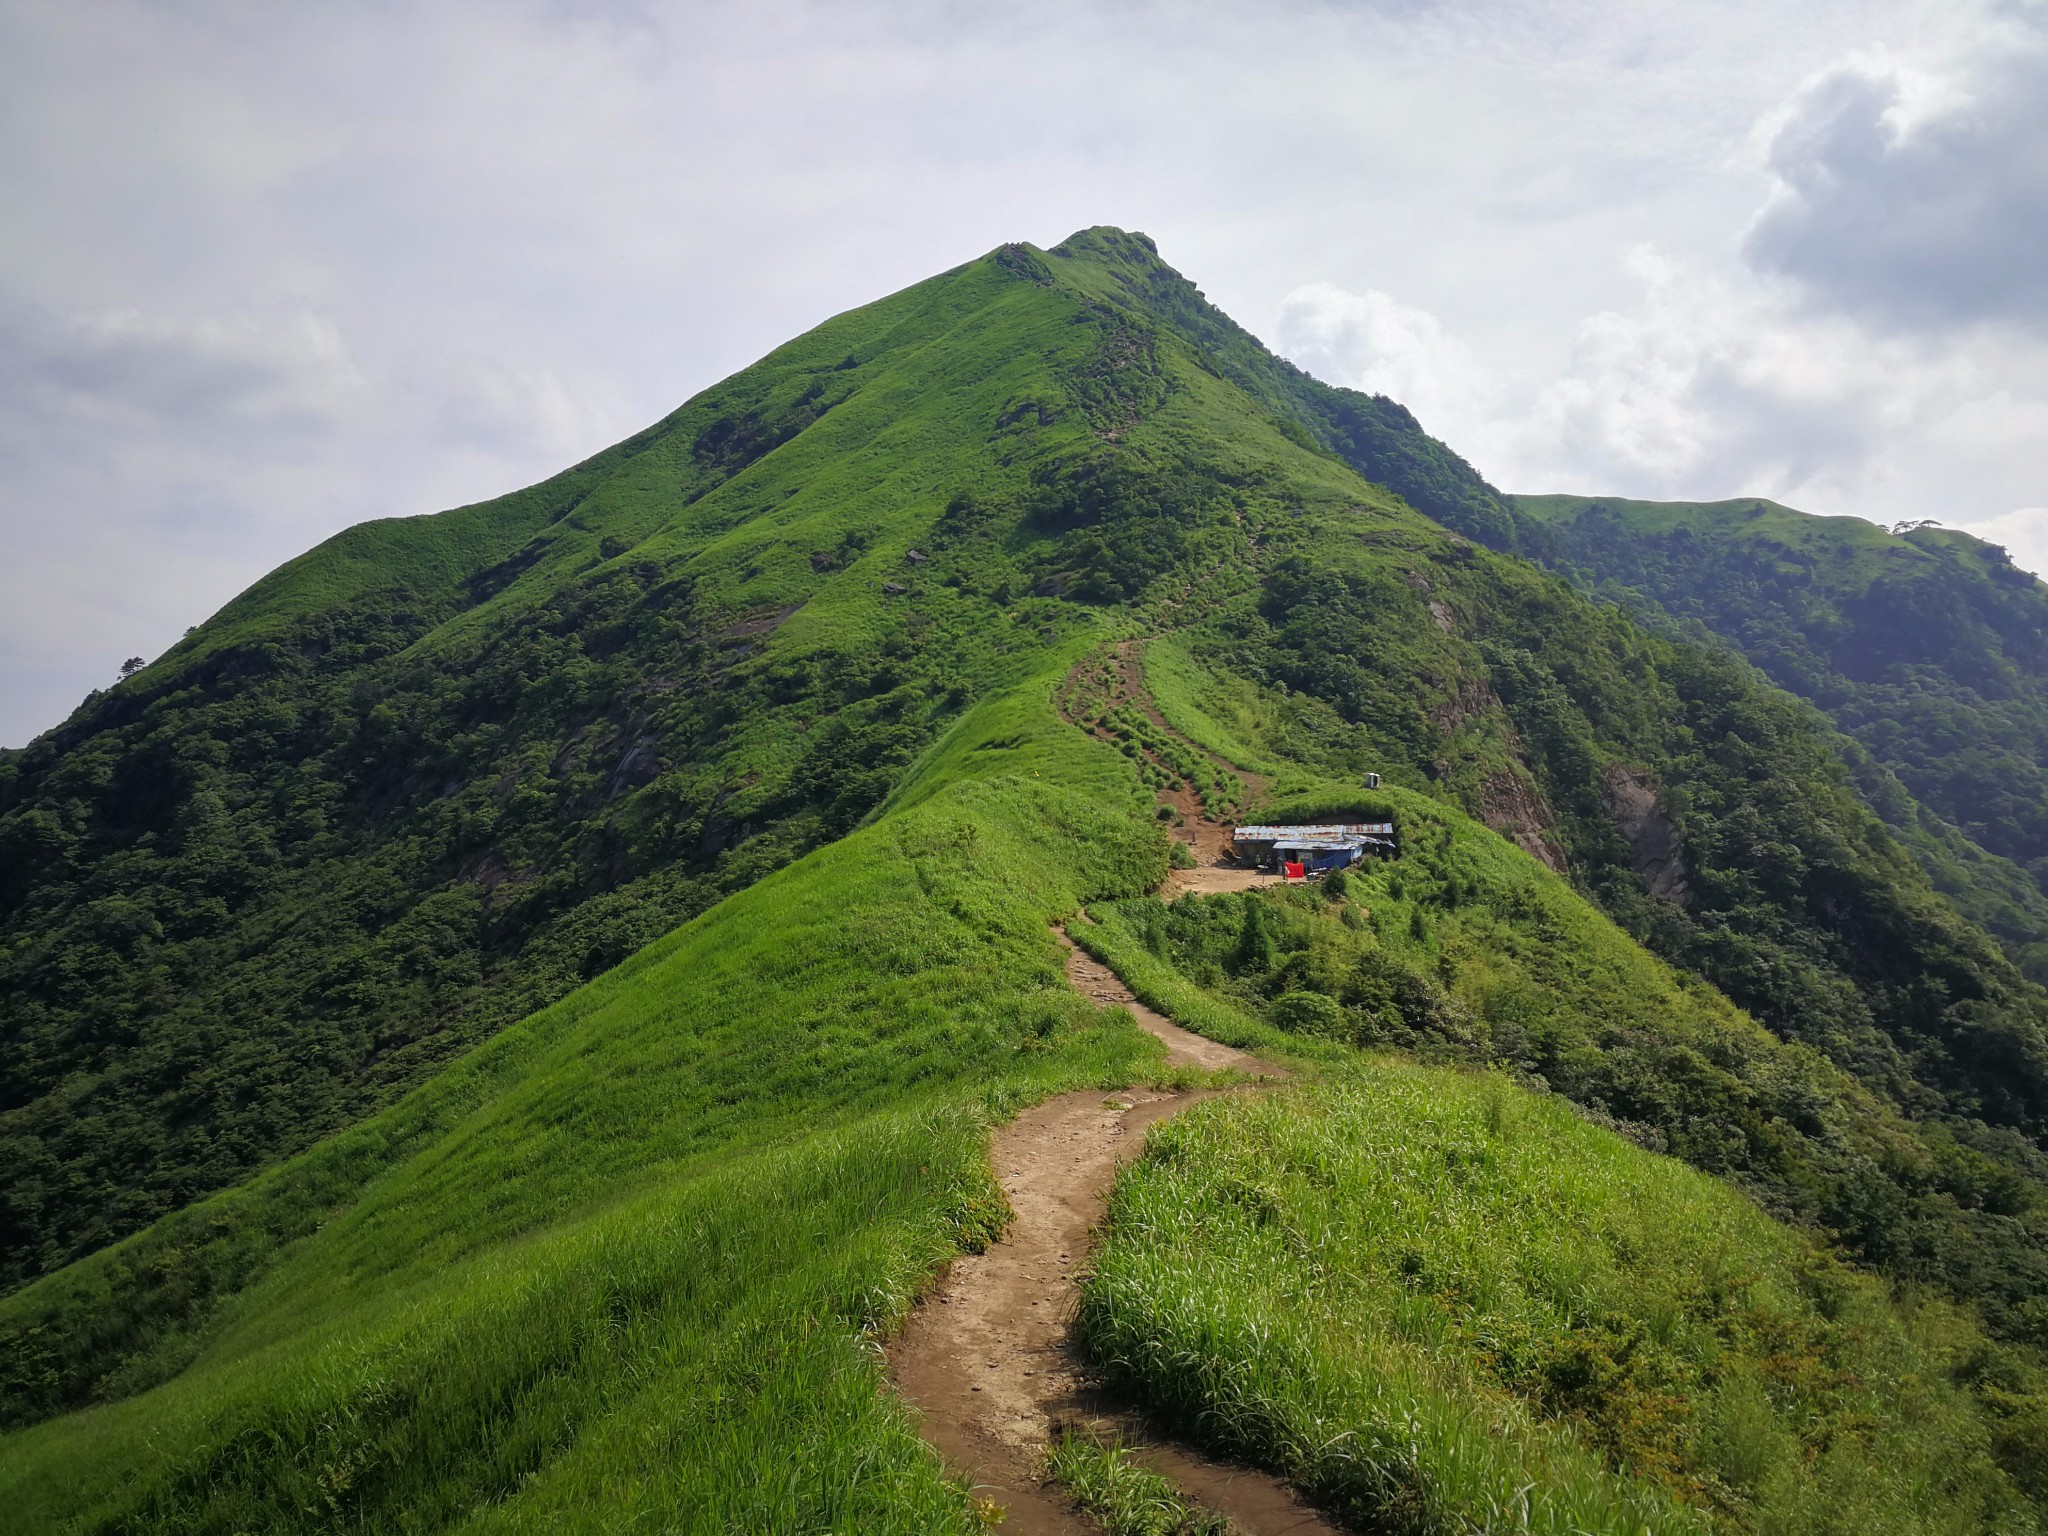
pixel 1928 648
pixel 1708 815
pixel 620 1263
pixel 1422 1292
pixel 1702 810
pixel 1443 1303
pixel 439 771
pixel 568 1241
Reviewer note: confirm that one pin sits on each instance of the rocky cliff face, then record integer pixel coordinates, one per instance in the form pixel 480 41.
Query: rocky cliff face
pixel 1652 840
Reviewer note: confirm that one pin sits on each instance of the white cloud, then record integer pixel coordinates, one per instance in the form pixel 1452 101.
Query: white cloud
pixel 1374 342
pixel 1696 382
pixel 1705 388
pixel 1917 193
pixel 513 411
pixel 1630 398
pixel 1704 384
pixel 154 465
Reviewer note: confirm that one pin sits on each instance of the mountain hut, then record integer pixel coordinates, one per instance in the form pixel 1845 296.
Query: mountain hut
pixel 1325 846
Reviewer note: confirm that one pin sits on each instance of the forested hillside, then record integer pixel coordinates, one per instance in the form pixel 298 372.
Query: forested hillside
pixel 372 888
pixel 1928 647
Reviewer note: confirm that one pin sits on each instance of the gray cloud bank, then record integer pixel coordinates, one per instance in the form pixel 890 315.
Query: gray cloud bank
pixel 1917 201
pixel 268 271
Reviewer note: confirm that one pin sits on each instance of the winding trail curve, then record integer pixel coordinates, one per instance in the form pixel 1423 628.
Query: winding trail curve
pixel 988 1359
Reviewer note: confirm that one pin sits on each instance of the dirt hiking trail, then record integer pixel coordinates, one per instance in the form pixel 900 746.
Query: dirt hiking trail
pixel 1197 824
pixel 988 1359
pixel 1114 678
pixel 1215 880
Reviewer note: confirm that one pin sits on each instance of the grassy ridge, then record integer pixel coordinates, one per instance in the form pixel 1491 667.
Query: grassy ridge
pixel 1220 715
pixel 699 1184
pixel 526 1383
pixel 1443 1303
pixel 350 830
pixel 439 771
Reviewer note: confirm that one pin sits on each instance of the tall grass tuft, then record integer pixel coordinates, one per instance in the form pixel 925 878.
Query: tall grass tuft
pixel 1126 1498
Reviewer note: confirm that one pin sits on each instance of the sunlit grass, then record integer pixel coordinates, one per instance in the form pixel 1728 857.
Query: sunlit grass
pixel 1440 1302
pixel 1127 1498
pixel 630 1263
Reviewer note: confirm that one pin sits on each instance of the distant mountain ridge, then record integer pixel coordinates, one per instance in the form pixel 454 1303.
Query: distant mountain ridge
pixel 1927 647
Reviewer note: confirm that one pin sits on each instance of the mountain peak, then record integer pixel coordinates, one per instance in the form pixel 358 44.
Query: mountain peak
pixel 1106 241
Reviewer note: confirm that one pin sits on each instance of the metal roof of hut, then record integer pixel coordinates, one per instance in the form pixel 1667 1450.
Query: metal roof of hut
pixel 1318 832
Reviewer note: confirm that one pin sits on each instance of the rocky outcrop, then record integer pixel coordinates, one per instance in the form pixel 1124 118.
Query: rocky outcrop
pixel 1516 809
pixel 1652 839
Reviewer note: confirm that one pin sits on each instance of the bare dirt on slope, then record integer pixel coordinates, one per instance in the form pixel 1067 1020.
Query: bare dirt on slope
pixel 1114 678
pixel 989 1360
pixel 1215 880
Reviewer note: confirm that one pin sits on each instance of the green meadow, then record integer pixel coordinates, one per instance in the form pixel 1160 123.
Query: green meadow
pixel 628 1263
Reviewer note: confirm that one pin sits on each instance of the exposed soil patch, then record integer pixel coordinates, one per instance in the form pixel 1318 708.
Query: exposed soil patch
pixel 1215 880
pixel 1516 809
pixel 988 1359
pixel 1652 839
pixel 1510 802
pixel 1102 986
pixel 762 621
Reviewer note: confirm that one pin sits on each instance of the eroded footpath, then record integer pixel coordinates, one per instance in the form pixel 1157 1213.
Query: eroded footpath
pixel 989 1361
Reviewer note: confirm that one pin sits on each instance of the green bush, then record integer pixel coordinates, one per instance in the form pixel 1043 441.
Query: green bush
pixel 1311 1013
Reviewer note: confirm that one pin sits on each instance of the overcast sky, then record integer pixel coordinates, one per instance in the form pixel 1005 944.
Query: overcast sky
pixel 269 269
